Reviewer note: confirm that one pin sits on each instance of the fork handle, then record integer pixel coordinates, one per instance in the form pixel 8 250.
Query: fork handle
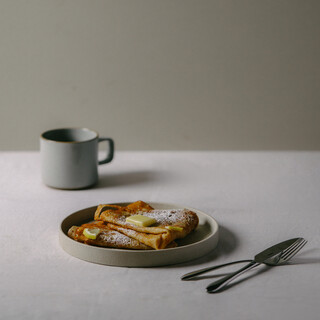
pixel 219 284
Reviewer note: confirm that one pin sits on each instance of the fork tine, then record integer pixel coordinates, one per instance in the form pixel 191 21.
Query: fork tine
pixel 290 249
pixel 294 250
pixel 298 249
pixel 292 246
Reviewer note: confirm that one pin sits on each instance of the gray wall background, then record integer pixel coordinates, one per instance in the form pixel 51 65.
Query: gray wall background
pixel 162 75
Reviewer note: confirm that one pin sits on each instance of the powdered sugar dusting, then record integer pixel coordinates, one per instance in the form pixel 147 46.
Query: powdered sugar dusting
pixel 118 239
pixel 169 217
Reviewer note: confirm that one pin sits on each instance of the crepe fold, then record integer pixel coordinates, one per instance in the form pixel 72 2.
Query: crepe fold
pixel 106 238
pixel 170 224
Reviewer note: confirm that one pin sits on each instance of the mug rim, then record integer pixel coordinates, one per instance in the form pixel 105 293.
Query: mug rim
pixel 69 128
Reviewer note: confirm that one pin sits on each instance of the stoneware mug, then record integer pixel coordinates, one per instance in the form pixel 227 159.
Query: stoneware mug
pixel 69 157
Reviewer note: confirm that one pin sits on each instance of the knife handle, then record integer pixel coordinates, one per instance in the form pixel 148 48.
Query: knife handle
pixel 193 274
pixel 219 284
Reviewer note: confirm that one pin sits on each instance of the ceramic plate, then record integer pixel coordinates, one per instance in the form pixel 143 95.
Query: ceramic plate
pixel 200 242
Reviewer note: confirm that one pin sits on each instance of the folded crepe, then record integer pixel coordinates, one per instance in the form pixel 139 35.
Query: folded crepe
pixel 106 238
pixel 170 224
pixel 132 208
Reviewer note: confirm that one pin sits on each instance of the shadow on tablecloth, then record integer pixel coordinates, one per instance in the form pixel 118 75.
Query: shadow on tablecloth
pixel 129 178
pixel 228 242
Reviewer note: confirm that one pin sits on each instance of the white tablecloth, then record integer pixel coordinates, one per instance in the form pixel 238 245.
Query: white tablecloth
pixel 258 199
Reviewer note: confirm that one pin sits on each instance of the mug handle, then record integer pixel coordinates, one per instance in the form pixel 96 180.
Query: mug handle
pixel 109 156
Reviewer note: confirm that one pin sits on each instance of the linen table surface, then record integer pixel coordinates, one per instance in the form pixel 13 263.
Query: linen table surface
pixel 258 199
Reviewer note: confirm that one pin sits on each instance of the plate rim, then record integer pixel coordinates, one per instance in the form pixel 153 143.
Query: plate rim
pixel 63 237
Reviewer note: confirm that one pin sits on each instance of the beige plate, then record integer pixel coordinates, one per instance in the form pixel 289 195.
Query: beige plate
pixel 200 242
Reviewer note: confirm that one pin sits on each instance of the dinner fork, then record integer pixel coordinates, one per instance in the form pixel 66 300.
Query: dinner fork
pixel 277 259
pixel 299 242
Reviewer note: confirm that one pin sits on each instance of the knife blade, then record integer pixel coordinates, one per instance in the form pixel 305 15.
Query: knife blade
pixel 268 256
